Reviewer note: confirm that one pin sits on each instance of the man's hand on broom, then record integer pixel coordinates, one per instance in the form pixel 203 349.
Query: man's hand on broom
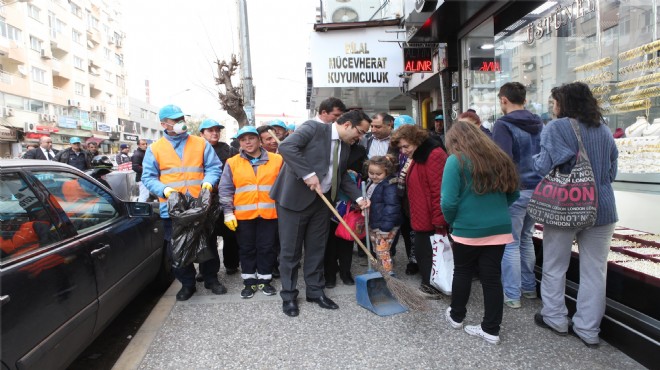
pixel 313 183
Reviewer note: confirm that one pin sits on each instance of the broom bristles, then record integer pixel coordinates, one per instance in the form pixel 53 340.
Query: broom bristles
pixel 410 297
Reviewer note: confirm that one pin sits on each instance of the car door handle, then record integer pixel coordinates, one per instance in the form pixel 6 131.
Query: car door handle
pixel 4 300
pixel 100 253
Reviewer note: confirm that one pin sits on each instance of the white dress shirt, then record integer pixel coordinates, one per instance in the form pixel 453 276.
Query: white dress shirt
pixel 46 153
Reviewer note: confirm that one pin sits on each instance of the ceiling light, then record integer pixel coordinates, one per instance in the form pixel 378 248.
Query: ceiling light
pixel 486 46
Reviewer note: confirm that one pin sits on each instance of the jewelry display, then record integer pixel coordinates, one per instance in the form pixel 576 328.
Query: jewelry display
pixel 601 90
pixel 641 66
pixel 643 80
pixel 594 65
pixel 639 51
pixel 643 93
pixel 637 128
pixel 652 129
pixel 639 155
pixel 632 106
pixel 599 78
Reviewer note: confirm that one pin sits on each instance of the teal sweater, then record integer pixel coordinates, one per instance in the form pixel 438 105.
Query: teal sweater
pixel 473 215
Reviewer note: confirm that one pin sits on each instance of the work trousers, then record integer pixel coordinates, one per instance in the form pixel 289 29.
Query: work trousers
pixel 489 260
pixel 256 248
pixel 594 246
pixel 186 274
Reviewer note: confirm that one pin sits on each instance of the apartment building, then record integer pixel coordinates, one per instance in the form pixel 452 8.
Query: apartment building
pixel 62 73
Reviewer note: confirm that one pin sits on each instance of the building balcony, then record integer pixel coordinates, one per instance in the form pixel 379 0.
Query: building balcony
pixel 60 42
pixel 17 54
pixel 94 36
pixel 62 70
pixel 60 96
pixel 14 84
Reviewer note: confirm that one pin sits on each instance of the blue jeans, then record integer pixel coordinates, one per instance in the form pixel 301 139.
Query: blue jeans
pixel 519 258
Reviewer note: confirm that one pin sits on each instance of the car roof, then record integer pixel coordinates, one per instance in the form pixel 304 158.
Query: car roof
pixel 14 163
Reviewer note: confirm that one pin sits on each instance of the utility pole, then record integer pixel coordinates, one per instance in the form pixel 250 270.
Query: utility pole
pixel 246 69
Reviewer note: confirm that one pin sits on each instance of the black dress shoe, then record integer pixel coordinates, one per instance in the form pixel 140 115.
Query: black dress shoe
pixel 290 308
pixel 216 287
pixel 330 284
pixel 199 277
pixel 231 270
pixel 276 273
pixel 347 279
pixel 538 320
pixel 185 293
pixel 324 302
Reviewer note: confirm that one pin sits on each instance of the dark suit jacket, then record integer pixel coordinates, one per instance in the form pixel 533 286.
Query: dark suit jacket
pixel 305 151
pixel 37 154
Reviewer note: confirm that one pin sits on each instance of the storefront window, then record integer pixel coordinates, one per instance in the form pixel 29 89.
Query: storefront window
pixel 613 46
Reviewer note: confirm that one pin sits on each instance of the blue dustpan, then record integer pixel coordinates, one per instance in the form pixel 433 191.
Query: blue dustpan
pixel 371 290
pixel 371 293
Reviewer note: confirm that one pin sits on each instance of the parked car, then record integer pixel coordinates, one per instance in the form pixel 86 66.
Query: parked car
pixel 73 255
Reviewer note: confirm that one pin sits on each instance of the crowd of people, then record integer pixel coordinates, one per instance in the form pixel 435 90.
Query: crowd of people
pixel 462 181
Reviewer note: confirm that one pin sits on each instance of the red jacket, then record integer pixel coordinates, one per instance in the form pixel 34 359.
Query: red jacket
pixel 423 186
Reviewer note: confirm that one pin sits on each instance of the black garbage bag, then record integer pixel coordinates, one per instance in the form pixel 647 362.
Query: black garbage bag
pixel 189 227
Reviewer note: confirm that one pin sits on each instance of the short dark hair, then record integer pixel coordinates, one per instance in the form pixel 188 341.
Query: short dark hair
pixel 355 117
pixel 265 128
pixel 329 104
pixel 514 91
pixel 387 119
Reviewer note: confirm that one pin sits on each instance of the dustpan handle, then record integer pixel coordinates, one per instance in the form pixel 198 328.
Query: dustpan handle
pixel 366 224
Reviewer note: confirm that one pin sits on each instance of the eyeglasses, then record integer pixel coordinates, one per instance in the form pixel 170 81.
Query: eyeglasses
pixel 360 132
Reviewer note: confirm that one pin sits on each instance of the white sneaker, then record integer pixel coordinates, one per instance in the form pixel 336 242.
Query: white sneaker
pixel 476 331
pixel 451 322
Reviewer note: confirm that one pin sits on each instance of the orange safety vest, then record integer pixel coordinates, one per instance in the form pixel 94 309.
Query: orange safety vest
pixel 251 199
pixel 186 174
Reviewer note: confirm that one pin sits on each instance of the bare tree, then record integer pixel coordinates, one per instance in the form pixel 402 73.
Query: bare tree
pixel 232 100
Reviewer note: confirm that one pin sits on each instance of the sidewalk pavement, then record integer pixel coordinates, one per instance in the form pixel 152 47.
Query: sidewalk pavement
pixel 227 332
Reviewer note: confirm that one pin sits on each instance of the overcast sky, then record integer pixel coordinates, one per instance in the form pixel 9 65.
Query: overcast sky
pixel 174 45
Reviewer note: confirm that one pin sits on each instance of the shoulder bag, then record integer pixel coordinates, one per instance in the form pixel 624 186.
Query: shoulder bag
pixel 567 200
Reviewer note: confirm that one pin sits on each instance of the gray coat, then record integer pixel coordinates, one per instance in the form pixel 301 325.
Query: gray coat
pixel 305 151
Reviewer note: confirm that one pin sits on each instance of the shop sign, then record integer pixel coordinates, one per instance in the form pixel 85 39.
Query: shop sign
pixel 114 136
pixel 67 122
pixel 355 58
pixel 131 138
pixel 485 65
pixel 417 60
pixel 86 125
pixel 34 135
pixel 7 134
pixel 560 17
pixel 130 127
pixel 100 126
pixel 45 129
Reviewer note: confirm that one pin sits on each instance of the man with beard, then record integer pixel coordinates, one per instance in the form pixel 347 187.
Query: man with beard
pixel 268 142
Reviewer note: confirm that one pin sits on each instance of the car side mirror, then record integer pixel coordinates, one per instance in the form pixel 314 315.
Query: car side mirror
pixel 139 209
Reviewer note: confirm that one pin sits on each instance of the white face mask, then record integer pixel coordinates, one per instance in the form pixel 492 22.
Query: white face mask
pixel 180 127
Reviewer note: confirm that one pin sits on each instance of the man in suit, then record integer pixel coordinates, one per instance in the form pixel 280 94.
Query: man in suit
pixel 315 156
pixel 44 152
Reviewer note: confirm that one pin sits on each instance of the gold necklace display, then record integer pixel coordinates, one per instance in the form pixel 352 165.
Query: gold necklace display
pixel 641 66
pixel 632 106
pixel 639 51
pixel 643 80
pixel 638 94
pixel 594 65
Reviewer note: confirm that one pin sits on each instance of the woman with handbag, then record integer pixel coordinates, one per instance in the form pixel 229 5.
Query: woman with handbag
pixel 423 181
pixel 480 182
pixel 578 129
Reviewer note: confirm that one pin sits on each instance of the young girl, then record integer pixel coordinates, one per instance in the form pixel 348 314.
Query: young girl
pixel 385 213
pixel 479 184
